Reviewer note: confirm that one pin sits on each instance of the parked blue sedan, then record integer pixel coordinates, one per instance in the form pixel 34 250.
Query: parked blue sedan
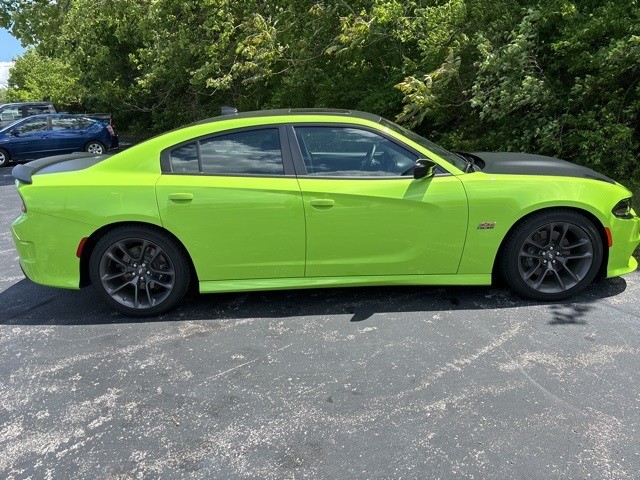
pixel 54 134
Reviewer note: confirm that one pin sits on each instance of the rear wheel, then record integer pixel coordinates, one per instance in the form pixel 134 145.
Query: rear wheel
pixel 139 271
pixel 552 255
pixel 95 147
pixel 4 158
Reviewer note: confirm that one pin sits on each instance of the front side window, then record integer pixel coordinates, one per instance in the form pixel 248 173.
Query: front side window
pixel 34 125
pixel 250 152
pixel 351 152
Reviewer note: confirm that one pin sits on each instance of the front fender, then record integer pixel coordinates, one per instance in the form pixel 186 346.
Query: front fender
pixel 501 201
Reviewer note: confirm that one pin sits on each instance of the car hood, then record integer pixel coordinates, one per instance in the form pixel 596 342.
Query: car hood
pixel 528 164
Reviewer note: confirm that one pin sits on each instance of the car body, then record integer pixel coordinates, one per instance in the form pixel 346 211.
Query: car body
pixel 52 134
pixel 308 198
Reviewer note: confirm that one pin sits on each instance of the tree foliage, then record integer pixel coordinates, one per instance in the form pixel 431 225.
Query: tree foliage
pixel 558 77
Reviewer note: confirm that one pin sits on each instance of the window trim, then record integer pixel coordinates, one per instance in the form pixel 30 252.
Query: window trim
pixel 285 151
pixel 301 168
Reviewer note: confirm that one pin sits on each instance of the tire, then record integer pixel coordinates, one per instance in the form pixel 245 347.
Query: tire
pixel 551 255
pixel 139 271
pixel 95 147
pixel 5 160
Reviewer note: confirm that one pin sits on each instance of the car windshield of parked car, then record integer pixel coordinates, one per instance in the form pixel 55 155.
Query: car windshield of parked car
pixel 450 157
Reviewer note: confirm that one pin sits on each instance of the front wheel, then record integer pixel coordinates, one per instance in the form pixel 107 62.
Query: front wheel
pixel 4 158
pixel 95 147
pixel 139 271
pixel 552 255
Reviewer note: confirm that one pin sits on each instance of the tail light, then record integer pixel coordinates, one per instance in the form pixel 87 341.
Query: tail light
pixel 111 128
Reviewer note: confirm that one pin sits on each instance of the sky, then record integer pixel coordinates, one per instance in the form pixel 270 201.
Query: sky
pixel 9 48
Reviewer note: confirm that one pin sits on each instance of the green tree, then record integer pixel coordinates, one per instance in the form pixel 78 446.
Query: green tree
pixel 559 77
pixel 36 77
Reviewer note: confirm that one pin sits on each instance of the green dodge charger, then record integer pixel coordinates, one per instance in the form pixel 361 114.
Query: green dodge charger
pixel 314 198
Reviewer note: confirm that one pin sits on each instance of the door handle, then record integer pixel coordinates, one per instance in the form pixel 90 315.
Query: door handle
pixel 181 197
pixel 46 136
pixel 322 202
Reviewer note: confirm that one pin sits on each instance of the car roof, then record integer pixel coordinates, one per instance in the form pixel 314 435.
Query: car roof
pixel 330 112
pixel 56 115
pixel 24 103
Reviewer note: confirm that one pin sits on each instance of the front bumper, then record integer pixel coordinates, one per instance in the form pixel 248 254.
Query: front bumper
pixel 625 234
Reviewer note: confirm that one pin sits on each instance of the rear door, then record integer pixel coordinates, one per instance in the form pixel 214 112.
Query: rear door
pixel 68 134
pixel 235 203
pixel 364 217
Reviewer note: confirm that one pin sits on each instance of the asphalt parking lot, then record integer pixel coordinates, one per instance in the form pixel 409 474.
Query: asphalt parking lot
pixel 343 383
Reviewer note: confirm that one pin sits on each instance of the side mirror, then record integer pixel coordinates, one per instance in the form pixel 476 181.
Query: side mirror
pixel 15 132
pixel 424 168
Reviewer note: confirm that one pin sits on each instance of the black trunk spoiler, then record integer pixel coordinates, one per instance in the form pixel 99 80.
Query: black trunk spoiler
pixel 58 163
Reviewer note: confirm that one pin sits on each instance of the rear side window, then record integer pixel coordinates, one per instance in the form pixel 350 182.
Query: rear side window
pixel 64 123
pixel 250 152
pixel 38 109
pixel 85 122
pixel 185 159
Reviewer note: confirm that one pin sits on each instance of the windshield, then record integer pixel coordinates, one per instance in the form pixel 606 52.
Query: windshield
pixel 450 157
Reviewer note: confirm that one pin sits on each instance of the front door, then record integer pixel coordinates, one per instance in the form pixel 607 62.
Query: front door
pixel 32 139
pixel 364 217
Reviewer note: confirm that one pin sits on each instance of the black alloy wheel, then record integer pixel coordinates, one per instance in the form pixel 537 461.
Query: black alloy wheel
pixel 139 271
pixel 552 255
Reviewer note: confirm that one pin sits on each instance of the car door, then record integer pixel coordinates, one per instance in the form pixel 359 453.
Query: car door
pixel 32 138
pixel 234 201
pixel 364 217
pixel 67 134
